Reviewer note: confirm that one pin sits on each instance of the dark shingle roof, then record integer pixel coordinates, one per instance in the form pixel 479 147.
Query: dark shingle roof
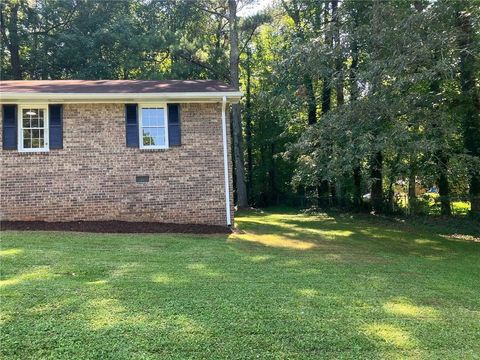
pixel 113 86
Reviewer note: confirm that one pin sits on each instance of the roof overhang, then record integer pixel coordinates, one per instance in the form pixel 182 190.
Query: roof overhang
pixel 179 97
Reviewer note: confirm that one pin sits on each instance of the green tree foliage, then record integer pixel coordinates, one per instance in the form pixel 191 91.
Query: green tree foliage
pixel 403 114
pixel 342 97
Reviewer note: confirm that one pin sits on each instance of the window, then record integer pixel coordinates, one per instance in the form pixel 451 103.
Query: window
pixel 153 127
pixel 33 128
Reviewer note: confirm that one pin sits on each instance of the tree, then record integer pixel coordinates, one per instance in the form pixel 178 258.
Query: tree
pixel 9 21
pixel 470 100
pixel 346 97
pixel 241 188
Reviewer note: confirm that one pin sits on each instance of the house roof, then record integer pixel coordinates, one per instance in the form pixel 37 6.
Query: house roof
pixel 113 86
pixel 119 90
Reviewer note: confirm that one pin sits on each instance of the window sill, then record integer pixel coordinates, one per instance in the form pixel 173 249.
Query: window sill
pixel 43 152
pixel 154 150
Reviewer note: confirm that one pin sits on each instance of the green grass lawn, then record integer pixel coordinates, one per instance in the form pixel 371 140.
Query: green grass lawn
pixel 289 286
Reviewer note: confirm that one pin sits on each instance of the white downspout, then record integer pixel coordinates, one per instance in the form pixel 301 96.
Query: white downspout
pixel 225 161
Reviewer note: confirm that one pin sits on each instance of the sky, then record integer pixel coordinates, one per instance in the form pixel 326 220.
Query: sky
pixel 255 7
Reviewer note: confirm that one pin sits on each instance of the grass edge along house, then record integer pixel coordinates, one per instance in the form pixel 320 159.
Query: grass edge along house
pixel 128 150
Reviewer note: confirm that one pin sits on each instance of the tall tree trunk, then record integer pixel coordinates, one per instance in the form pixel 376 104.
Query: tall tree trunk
pixel 337 49
pixel 272 175
pixel 326 86
pixel 377 183
pixel 470 102
pixel 311 99
pixel 338 55
pixel 241 188
pixel 412 195
pixel 357 171
pixel 326 95
pixel 264 199
pixel 312 118
pixel 294 12
pixel 357 187
pixel 324 187
pixel 376 162
pixel 322 191
pixel 312 115
pixel 15 44
pixel 443 186
pixel 248 126
pixel 441 156
pixel 12 40
pixel 391 193
pixel 441 162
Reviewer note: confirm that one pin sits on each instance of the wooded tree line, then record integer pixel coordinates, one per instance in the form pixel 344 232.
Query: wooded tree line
pixel 342 98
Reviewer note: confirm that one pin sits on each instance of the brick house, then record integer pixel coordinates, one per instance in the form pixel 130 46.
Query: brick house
pixel 155 151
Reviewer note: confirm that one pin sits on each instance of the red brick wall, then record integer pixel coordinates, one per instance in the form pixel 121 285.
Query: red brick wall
pixel 93 176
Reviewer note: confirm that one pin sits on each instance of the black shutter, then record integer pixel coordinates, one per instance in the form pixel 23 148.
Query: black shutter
pixel 55 113
pixel 131 122
pixel 10 127
pixel 174 131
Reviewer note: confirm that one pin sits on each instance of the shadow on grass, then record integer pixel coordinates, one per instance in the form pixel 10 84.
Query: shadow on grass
pixel 291 286
pixel 347 234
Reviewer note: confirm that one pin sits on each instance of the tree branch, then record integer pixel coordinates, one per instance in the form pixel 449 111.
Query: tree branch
pixel 213 12
pixel 2 29
pixel 248 40
pixel 193 60
pixel 69 18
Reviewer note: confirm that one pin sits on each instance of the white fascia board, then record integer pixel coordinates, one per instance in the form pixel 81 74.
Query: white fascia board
pixel 9 97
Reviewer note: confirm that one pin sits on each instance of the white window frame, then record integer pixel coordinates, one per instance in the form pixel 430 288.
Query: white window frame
pixel 140 125
pixel 46 125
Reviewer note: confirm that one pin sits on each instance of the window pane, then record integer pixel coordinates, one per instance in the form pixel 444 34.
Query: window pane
pixel 35 133
pixel 33 118
pixel 35 143
pixel 158 118
pixel 160 137
pixel 27 133
pixel 27 143
pixel 154 136
pixel 154 132
pixel 146 116
pixel 26 121
pixel 29 112
pixel 147 137
pixel 153 117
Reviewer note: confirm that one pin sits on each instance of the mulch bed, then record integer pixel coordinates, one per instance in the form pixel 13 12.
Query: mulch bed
pixel 120 227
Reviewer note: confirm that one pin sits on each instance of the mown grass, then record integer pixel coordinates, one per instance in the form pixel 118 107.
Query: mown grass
pixel 289 286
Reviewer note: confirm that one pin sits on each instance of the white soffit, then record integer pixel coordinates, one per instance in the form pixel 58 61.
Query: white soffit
pixel 28 97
